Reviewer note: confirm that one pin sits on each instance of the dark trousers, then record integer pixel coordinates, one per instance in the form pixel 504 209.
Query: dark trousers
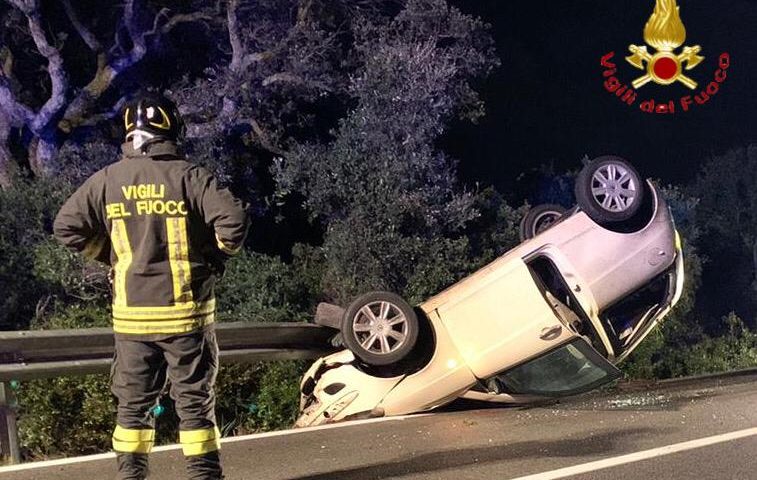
pixel 139 374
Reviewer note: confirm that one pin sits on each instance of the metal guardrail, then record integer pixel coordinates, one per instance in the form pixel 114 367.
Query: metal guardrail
pixel 37 354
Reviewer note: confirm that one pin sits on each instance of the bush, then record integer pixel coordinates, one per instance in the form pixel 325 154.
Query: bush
pixel 664 357
pixel 261 288
pixel 27 209
pixel 79 161
pixel 67 415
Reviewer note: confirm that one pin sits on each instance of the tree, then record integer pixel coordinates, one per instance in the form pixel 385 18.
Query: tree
pixel 282 55
pixel 727 214
pixel 41 126
pixel 387 195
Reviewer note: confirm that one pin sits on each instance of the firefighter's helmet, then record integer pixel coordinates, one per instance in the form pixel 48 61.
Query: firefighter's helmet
pixel 152 116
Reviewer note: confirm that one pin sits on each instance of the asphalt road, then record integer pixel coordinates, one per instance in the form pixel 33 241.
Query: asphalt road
pixel 626 435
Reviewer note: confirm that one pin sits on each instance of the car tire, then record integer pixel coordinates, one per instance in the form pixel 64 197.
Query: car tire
pixel 538 219
pixel 610 190
pixel 388 320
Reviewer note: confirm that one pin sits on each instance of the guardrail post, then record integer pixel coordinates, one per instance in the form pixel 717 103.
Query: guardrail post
pixel 10 446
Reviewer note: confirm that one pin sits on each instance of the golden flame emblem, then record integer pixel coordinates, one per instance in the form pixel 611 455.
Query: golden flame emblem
pixel 664 29
pixel 664 32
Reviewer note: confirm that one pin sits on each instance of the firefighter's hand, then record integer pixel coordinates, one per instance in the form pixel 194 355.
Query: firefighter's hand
pixel 215 260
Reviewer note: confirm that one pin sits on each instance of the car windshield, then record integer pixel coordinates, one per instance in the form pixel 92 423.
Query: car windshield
pixel 570 369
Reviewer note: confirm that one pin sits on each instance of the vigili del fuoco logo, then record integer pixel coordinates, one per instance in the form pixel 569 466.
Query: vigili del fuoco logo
pixel 659 63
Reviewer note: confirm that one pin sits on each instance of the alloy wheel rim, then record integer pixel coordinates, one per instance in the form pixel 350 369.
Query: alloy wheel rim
pixel 380 327
pixel 613 187
pixel 544 220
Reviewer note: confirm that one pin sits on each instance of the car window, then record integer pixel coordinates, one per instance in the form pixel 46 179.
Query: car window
pixel 572 368
pixel 554 287
pixel 630 318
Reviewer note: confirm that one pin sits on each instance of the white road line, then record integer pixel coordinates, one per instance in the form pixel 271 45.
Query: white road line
pixel 639 456
pixel 240 438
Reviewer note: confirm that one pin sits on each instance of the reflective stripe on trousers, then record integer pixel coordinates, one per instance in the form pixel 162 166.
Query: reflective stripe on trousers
pixel 199 442
pixel 140 372
pixel 133 440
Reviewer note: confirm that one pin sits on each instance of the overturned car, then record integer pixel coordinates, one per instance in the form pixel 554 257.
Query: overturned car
pixel 550 318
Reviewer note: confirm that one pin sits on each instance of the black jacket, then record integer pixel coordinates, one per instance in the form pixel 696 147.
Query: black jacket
pixel 163 224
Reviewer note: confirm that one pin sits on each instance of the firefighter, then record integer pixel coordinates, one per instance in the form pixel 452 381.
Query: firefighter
pixel 165 227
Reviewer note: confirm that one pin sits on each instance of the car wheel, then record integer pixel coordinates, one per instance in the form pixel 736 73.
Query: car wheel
pixel 538 219
pixel 380 328
pixel 609 190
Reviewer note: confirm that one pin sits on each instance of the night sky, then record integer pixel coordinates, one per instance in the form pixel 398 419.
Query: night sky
pixel 546 104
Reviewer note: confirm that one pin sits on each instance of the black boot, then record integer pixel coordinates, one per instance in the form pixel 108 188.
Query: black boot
pixel 204 467
pixel 131 466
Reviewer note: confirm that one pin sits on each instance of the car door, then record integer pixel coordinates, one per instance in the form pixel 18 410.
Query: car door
pixel 498 318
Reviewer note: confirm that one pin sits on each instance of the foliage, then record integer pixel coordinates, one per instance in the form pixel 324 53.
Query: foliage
pixel 259 288
pixel 77 280
pixel 726 217
pixel 728 201
pixel 27 209
pixel 387 196
pixel 67 415
pixel 496 229
pixel 279 394
pixel 679 349
pixel 78 161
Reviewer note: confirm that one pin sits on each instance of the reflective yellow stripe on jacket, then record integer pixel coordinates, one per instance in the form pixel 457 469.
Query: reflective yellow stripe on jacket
pixel 228 250
pixel 179 318
pixel 122 248
pixel 185 315
pixel 178 257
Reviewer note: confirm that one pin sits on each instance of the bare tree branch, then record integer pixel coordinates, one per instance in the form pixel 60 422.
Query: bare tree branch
pixel 114 111
pixel 180 18
pixel 136 35
pixel 282 77
pixel 6 159
pixel 16 112
pixel 209 127
pixel 22 5
pixel 55 69
pixel 237 50
pixel 263 138
pixel 61 113
pixel 108 71
pixel 240 58
pixel 8 59
pixel 89 38
pixel 303 11
pixel 255 57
